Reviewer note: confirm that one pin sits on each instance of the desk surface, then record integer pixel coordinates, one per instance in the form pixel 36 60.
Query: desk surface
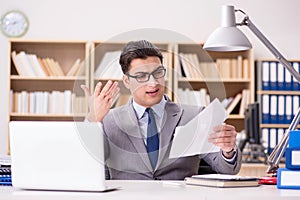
pixel 154 190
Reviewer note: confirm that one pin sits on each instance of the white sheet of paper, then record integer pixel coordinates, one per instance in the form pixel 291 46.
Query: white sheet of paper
pixel 192 138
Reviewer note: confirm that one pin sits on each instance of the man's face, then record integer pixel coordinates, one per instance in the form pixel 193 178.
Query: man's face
pixel 146 93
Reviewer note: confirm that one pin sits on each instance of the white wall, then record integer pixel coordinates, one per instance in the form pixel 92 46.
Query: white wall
pixel 102 20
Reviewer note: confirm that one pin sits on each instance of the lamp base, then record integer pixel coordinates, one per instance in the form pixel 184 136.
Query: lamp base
pixel 268 180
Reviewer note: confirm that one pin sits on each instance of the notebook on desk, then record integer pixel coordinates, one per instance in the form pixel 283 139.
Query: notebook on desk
pixel 57 156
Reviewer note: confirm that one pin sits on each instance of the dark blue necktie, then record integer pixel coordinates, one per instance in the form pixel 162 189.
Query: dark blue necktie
pixel 152 138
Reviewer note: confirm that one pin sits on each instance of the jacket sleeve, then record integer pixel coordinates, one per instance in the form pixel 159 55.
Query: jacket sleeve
pixel 220 165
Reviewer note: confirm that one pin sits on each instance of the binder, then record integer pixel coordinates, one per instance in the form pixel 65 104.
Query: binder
pixel 281 109
pixel 288 179
pixel 295 84
pixel 265 138
pixel 273 138
pixel 273 109
pixel 294 139
pixel 280 133
pixel 265 75
pixel 280 76
pixel 265 109
pixel 273 76
pixel 295 105
pixel 288 80
pixel 288 109
pixel 292 156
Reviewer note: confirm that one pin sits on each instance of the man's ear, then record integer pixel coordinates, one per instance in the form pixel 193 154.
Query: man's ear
pixel 126 81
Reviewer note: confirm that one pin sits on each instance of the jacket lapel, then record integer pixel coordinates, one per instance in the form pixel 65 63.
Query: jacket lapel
pixel 129 125
pixel 172 115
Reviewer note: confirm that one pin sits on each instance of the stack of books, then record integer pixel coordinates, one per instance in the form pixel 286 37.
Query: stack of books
pixel 5 171
pixel 289 177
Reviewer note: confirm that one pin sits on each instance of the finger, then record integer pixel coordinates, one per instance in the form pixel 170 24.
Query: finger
pixel 98 89
pixel 223 134
pixel 86 90
pixel 114 99
pixel 115 94
pixel 113 89
pixel 224 127
pixel 106 88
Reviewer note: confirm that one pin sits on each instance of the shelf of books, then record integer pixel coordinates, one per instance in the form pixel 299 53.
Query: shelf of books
pixel 45 77
pixel 278 94
pixel 105 66
pixel 201 76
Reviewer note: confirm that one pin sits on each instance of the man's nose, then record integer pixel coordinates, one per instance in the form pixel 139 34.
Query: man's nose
pixel 152 80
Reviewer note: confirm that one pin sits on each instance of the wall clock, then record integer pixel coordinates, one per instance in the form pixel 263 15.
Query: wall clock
pixel 14 23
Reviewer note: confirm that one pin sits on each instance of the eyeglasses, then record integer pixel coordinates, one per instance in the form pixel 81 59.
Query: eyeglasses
pixel 142 77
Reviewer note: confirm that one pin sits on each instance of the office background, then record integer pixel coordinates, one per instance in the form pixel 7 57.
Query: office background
pixel 102 20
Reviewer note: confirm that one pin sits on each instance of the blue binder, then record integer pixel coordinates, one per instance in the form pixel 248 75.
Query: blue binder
pixel 288 179
pixel 292 156
pixel 294 139
pixel 295 84
pixel 265 71
pixel 273 75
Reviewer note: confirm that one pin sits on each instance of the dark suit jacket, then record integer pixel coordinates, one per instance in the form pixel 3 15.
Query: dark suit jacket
pixel 126 154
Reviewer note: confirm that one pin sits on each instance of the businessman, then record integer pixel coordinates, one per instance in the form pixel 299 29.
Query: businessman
pixel 139 134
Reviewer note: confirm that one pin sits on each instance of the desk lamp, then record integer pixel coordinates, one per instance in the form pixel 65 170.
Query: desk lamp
pixel 229 38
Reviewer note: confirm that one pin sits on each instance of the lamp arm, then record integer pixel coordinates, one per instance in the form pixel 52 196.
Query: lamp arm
pixel 269 45
pixel 277 153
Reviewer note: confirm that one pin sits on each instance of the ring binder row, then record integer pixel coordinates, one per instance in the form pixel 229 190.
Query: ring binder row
pixel 279 109
pixel 276 77
pixel 270 138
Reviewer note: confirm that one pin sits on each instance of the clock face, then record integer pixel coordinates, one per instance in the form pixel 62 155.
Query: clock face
pixel 14 24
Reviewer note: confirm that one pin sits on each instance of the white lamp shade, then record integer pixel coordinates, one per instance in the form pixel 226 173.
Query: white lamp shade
pixel 227 39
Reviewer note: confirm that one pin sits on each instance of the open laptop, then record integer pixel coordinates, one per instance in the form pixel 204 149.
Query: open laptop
pixel 57 156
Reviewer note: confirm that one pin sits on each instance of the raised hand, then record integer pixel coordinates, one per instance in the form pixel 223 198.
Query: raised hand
pixel 101 101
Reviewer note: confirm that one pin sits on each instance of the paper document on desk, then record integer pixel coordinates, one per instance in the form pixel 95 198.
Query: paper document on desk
pixel 192 138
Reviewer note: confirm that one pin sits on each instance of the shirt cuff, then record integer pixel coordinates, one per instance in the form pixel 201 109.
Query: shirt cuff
pixel 233 159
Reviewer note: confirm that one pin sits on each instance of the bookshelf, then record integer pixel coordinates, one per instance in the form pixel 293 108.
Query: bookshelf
pixel 44 80
pixel 278 94
pixel 105 55
pixel 217 74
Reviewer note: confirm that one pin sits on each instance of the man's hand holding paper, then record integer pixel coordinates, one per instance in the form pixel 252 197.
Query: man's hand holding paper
pixel 205 133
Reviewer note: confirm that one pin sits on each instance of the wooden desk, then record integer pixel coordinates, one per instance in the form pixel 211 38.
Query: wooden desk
pixel 255 169
pixel 156 190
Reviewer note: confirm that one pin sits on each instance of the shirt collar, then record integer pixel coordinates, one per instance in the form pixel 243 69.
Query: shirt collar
pixel 158 109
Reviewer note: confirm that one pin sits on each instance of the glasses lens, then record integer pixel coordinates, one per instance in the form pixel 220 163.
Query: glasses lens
pixel 159 73
pixel 143 77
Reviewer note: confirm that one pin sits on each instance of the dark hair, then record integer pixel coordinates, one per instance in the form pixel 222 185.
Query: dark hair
pixel 138 49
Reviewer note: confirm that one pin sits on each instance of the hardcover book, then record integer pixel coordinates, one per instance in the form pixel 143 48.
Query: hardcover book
pixel 222 180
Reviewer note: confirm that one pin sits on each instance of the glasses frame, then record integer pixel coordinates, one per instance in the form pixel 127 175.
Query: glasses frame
pixel 161 67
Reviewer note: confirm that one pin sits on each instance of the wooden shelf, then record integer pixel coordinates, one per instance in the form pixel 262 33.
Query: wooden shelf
pixel 223 80
pixel 236 116
pixel 276 126
pixel 27 87
pixel 46 115
pixel 217 84
pixel 278 92
pixel 50 78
